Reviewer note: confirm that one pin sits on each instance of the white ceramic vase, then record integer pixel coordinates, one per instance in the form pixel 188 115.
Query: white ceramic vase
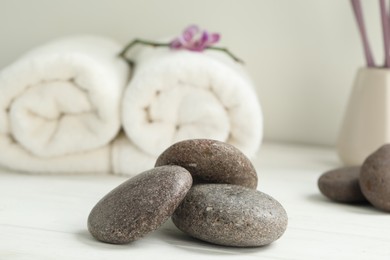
pixel 366 124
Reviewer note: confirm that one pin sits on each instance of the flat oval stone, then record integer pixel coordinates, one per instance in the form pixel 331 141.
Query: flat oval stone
pixel 211 161
pixel 230 215
pixel 375 178
pixel 342 185
pixel 139 205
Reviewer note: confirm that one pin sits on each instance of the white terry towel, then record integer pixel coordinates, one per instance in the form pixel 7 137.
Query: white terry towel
pixel 59 106
pixel 178 95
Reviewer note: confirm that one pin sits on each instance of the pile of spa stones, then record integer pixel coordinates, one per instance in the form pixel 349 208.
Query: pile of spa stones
pixel 209 189
pixel 358 184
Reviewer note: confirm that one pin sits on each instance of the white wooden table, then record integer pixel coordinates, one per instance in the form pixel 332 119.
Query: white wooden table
pixel 44 217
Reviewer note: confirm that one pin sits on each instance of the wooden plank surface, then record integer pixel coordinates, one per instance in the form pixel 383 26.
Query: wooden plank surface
pixel 44 217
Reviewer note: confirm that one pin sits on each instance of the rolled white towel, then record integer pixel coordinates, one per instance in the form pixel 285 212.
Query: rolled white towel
pixel 129 159
pixel 178 95
pixel 59 106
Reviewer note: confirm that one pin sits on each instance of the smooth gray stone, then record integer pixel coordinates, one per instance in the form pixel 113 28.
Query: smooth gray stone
pixel 211 161
pixel 342 185
pixel 230 215
pixel 139 205
pixel 375 178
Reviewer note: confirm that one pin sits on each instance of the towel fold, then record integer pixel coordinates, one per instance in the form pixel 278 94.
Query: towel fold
pixel 59 106
pixel 129 159
pixel 177 95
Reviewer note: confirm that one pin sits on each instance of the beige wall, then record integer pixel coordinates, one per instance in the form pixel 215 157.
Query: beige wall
pixel 302 54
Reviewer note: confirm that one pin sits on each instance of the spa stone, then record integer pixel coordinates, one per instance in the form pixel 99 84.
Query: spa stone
pixel 211 161
pixel 375 178
pixel 139 205
pixel 230 215
pixel 342 185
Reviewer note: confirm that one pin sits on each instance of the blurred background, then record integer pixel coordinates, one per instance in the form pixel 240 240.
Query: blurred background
pixel 302 55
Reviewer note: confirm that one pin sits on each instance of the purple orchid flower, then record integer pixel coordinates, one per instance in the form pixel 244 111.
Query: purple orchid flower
pixel 194 39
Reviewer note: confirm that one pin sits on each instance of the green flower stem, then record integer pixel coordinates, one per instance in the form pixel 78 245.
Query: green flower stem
pixel 159 44
pixel 225 50
pixel 144 42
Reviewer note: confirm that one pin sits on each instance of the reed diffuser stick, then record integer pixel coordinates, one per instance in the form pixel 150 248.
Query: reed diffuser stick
pixel 385 29
pixel 357 8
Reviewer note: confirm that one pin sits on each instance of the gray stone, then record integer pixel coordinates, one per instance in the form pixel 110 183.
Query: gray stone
pixel 230 215
pixel 139 205
pixel 211 161
pixel 342 185
pixel 375 178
